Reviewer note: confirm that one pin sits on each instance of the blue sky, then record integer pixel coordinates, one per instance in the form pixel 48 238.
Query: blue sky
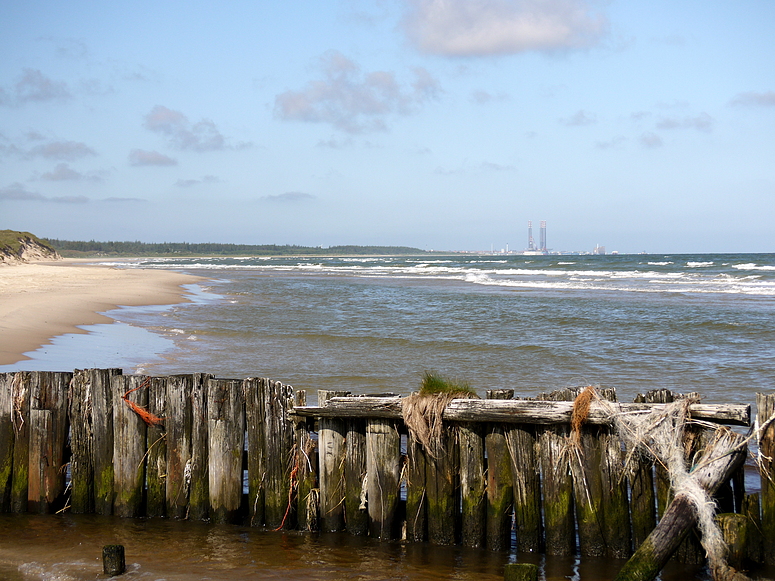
pixel 440 124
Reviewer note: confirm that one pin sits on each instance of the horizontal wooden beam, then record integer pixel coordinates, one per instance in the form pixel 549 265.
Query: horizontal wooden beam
pixel 518 411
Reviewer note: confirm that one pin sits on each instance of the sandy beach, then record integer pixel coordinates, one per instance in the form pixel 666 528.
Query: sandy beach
pixel 41 300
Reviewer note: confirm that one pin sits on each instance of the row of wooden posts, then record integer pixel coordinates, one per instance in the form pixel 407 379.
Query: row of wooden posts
pixel 252 452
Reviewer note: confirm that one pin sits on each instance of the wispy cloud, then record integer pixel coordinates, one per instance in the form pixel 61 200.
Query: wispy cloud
pixel 702 122
pixel 650 140
pixel 19 192
pixel 289 197
pixel 141 157
pixel 483 97
pixel 63 172
pixel 613 143
pixel 208 179
pixel 579 118
pixel 34 87
pixel 61 150
pixel 181 133
pixel 765 99
pixel 354 101
pixel 494 27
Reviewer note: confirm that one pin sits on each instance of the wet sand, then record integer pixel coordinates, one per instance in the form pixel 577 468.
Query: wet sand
pixel 41 300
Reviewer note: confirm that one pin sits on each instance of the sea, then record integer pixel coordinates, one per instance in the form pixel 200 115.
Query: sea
pixel 701 323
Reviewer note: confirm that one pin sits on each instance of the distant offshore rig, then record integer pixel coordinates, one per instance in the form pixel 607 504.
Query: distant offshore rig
pixel 541 248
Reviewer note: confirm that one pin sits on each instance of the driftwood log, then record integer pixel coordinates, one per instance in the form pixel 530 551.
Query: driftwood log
pixel 718 463
pixel 518 411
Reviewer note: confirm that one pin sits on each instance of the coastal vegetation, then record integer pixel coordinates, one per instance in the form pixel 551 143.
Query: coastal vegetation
pixel 74 249
pixel 22 246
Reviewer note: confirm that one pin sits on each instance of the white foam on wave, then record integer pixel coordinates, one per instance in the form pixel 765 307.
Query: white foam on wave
pixel 753 266
pixel 692 264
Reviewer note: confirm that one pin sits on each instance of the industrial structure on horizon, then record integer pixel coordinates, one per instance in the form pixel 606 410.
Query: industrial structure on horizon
pixel 531 245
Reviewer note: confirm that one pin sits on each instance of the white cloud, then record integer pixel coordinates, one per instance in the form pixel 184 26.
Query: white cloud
pixel 353 101
pixel 208 179
pixel 141 157
pixel 182 134
pixel 491 27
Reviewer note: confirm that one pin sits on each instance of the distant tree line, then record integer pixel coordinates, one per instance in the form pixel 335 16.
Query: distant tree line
pixel 74 248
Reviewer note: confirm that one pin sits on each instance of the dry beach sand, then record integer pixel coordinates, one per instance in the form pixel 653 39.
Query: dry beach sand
pixel 41 300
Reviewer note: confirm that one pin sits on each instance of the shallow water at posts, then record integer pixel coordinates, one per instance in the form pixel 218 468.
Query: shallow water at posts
pixel 69 548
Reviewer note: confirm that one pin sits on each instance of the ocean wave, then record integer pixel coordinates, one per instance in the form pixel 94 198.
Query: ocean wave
pixel 753 266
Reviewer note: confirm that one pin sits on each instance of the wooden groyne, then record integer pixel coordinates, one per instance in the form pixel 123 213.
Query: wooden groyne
pixel 506 474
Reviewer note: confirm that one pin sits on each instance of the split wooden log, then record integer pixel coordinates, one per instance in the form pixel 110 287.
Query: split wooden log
pixel 331 449
pixel 518 411
pixel 723 456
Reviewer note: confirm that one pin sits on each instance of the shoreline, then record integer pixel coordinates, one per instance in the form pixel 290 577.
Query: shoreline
pixel 43 300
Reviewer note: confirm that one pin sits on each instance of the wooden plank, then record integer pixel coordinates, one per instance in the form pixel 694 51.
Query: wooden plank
pixel 355 514
pixel 255 421
pixel 81 436
pixel 6 440
pixel 102 437
pixel 279 443
pixel 307 497
pixel 519 411
pixel 226 438
pixel 525 474
pixel 178 423
pixel 331 450
pixel 443 490
pixel 500 492
pixel 21 451
pixel 416 492
pixel 156 444
pixel 128 446
pixel 199 494
pixel 765 404
pixel 642 498
pixel 557 485
pixel 473 483
pixel 48 440
pixel 383 465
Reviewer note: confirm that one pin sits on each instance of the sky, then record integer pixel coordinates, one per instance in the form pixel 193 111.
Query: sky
pixel 438 124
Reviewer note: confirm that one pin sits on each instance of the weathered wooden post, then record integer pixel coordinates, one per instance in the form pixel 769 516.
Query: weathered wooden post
pixel 21 450
pixel 520 572
pixel 178 422
pixel 156 437
pixel 500 492
pixel 526 482
pixel 557 484
pixel 226 437
pixel 383 466
pixel 356 516
pixel 255 422
pixel 279 445
pixel 331 449
pixel 102 437
pixel 472 485
pixel 128 445
pixel 113 560
pixel 765 404
pixel 416 491
pixel 6 439
pixel 307 497
pixel 442 485
pixel 48 438
pixel 199 492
